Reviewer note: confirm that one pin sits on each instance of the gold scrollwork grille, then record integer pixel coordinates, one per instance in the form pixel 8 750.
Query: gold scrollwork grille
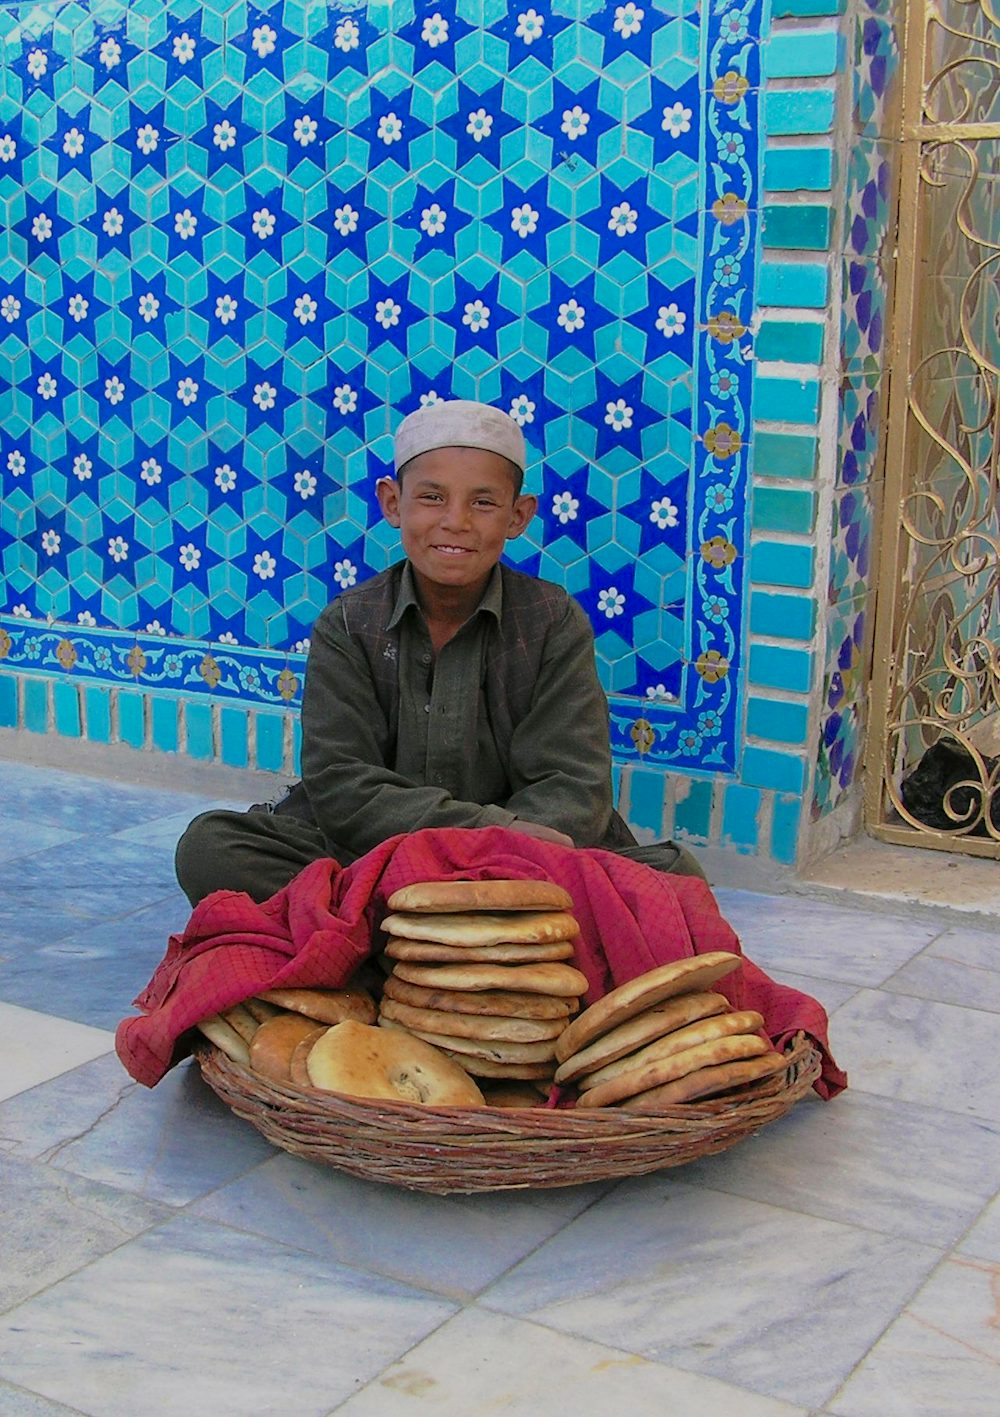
pixel 936 673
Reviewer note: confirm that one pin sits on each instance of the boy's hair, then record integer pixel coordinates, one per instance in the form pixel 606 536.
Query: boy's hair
pixel 516 475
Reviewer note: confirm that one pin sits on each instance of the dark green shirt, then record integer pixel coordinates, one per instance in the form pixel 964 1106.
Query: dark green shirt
pixel 442 768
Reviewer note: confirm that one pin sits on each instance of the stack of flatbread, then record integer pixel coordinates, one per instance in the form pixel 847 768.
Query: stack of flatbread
pixel 273 1033
pixel 483 970
pixel 664 1038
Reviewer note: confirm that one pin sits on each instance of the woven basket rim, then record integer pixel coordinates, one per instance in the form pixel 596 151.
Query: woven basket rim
pixel 802 1055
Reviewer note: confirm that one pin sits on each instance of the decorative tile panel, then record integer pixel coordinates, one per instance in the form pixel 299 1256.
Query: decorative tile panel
pixel 240 242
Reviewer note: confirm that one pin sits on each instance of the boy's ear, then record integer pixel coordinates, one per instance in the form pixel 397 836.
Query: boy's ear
pixel 387 491
pixel 525 508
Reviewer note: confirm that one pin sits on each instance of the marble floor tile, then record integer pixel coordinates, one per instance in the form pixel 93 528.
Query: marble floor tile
pixel 193 1318
pixel 95 971
pixel 960 967
pixel 15 1402
pixel 53 1223
pixel 768 1299
pixel 453 1245
pixel 20 839
pixel 914 1172
pixel 166 831
pixel 481 1362
pixel 35 1047
pixel 95 805
pixel 916 1050
pixel 172 1143
pixel 983 1240
pixel 940 1358
pixel 814 938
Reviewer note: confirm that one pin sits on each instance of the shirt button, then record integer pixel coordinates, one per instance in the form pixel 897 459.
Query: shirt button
pixel 425 658
pixel 427 708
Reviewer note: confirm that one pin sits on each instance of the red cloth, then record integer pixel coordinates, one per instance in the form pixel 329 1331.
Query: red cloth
pixel 316 932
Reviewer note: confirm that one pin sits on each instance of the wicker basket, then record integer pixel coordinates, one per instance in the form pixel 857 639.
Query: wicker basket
pixel 443 1150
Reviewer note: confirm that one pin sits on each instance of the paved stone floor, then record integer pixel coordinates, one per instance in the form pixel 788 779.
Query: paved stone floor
pixel 158 1257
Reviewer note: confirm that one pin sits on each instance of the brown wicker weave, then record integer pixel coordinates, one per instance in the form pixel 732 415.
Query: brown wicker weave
pixel 443 1150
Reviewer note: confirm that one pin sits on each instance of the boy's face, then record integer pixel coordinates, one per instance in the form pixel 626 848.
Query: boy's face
pixel 455 508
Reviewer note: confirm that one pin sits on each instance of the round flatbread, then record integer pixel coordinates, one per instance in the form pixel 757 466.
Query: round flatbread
pixel 501 1003
pixel 325 1005
pixel 529 928
pixel 707 1082
pixel 275 1041
pixel 429 951
pixel 516 1030
pixel 637 1032
pixel 682 976
pixel 485 1067
pixel 703 1031
pixel 361 1061
pixel 493 1050
pixel 448 897
pixel 298 1067
pixel 561 980
pixel 664 1070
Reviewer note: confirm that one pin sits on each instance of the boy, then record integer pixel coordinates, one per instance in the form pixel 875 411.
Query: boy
pixel 446 691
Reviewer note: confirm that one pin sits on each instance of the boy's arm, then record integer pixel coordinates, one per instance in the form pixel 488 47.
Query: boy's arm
pixel 356 798
pixel 560 762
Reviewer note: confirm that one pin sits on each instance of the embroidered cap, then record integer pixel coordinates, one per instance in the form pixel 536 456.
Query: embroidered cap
pixel 459 423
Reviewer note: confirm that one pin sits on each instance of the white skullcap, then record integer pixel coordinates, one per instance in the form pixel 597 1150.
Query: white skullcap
pixel 459 423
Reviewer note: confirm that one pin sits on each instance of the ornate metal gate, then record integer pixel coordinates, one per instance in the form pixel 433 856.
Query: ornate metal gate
pixel 936 674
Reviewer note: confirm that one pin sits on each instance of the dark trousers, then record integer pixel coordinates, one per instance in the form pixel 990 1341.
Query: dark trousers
pixel 260 851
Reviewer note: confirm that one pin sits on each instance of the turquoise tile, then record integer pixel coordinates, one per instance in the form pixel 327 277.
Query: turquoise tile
pixel 784 509
pixel 233 724
pixel 616 783
pixel 784 617
pixel 198 730
pixel 773 667
pixel 785 829
pixel 793 283
pixel 297 746
pixel 801 54
pixel 270 730
pixel 131 718
pixel 800 9
pixel 740 826
pixel 645 795
pixel 693 809
pixel 798 169
pixel 788 400
pixel 781 563
pixel 790 341
pixel 784 454
pixel 36 705
pixel 766 767
pixel 780 720
pixel 66 706
pixel 164 723
pixel 793 111
pixel 797 226
pixel 97 711
pixel 8 701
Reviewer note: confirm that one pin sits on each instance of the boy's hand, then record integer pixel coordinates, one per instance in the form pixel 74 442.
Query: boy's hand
pixel 541 833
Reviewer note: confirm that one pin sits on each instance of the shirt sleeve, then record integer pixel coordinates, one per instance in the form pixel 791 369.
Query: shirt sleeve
pixel 356 797
pixel 560 761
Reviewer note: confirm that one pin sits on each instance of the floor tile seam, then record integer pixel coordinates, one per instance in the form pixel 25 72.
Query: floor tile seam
pixel 934 1106
pixel 933 999
pixel 673 1364
pixel 188 1211
pixel 900 1313
pixel 377 1377
pixel 34 1393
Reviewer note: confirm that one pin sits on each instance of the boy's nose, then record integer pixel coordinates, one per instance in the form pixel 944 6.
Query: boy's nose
pixel 456 516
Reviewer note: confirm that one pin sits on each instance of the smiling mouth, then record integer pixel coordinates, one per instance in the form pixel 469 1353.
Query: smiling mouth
pixel 454 550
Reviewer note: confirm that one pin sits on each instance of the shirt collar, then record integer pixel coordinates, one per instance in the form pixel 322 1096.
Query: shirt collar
pixel 491 603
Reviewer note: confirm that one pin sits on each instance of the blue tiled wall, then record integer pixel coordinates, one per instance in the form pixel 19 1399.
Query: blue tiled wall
pixel 242 241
